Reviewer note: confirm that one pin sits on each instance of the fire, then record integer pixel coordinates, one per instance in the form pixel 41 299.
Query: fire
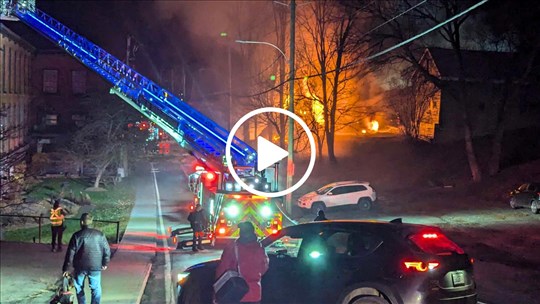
pixel 374 126
pixel 317 108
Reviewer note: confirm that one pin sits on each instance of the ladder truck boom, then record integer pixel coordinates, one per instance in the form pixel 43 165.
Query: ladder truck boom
pixel 190 128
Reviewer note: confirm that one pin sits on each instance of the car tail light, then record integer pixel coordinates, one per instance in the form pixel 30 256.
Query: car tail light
pixel 420 266
pixel 434 242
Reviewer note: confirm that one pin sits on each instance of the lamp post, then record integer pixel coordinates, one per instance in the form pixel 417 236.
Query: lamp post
pixel 229 124
pixel 290 145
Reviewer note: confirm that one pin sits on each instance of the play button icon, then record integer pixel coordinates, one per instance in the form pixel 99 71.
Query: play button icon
pixel 268 153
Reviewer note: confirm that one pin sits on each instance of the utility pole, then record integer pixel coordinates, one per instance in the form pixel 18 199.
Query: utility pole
pixel 290 159
pixel 230 87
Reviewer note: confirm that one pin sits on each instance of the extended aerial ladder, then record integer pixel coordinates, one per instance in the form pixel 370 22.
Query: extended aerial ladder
pixel 190 128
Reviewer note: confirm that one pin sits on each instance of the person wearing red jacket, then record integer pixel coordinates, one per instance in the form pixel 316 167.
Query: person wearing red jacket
pixel 252 261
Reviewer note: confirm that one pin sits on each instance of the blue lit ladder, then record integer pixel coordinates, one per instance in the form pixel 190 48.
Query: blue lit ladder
pixel 185 124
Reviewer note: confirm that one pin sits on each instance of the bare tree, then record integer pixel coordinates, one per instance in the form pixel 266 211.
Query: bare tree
pixel 514 28
pixel 12 163
pixel 327 48
pixel 419 18
pixel 99 142
pixel 411 102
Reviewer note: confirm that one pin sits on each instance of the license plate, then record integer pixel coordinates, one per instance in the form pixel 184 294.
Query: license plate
pixel 458 278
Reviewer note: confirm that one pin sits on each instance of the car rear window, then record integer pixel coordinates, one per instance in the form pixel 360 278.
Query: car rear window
pixel 435 242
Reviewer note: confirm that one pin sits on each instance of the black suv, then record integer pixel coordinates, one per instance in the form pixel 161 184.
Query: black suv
pixel 353 262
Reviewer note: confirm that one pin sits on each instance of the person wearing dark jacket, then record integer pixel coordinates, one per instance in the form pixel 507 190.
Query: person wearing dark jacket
pixel 320 216
pixel 198 221
pixel 252 262
pixel 88 253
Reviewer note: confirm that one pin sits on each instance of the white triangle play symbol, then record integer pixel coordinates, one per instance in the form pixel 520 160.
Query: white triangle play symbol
pixel 268 153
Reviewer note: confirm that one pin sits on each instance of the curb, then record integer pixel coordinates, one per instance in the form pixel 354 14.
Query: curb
pixel 144 283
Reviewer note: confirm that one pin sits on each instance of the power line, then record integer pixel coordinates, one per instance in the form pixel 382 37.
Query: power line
pixel 354 63
pixel 395 17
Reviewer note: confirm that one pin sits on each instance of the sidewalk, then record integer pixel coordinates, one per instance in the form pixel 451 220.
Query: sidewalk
pixel 28 271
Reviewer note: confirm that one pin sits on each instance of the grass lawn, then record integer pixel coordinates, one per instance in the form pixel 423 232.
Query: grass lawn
pixel 115 204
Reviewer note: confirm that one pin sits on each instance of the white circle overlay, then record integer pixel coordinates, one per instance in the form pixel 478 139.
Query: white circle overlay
pixel 242 121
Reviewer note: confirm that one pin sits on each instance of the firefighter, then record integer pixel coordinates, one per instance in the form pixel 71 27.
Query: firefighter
pixel 57 226
pixel 198 221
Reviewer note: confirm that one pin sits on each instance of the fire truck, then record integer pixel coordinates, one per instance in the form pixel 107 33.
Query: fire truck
pixel 228 204
pixel 212 185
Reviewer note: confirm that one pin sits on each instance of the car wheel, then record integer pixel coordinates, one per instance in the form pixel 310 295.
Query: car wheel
pixel 315 207
pixel 513 203
pixel 364 203
pixel 534 207
pixel 370 300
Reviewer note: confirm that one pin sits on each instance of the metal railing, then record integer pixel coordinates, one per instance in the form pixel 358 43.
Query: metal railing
pixel 40 218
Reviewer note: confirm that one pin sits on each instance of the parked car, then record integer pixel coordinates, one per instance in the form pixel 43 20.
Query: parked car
pixel 339 194
pixel 353 262
pixel 527 195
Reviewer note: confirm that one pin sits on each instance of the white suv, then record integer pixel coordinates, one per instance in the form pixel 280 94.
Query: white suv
pixel 338 194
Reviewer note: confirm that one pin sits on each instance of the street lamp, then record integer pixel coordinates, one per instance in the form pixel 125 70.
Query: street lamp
pixel 224 34
pixel 290 145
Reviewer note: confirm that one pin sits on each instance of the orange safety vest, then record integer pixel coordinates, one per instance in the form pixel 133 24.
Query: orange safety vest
pixel 57 217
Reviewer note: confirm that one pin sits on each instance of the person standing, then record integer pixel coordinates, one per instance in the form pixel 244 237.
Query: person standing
pixel 57 225
pixel 88 253
pixel 320 216
pixel 252 262
pixel 198 221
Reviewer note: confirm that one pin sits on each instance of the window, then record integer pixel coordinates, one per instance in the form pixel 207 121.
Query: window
pixel 50 81
pixel 4 70
pixel 78 82
pixel 362 243
pixel 359 188
pixel 286 245
pixel 523 187
pixel 10 73
pixel 343 190
pixel 16 73
pixel 51 119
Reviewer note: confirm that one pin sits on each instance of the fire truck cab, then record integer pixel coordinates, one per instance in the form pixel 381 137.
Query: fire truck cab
pixel 228 204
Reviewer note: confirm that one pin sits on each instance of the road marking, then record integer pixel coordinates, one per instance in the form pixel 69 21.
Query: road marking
pixel 168 276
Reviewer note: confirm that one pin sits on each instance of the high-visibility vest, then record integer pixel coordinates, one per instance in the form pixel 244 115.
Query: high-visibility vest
pixel 57 217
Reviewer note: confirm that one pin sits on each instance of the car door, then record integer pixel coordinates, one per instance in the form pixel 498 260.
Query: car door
pixel 333 260
pixel 339 196
pixel 523 195
pixel 358 192
pixel 279 283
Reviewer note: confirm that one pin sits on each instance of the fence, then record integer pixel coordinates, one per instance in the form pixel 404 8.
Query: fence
pixel 40 218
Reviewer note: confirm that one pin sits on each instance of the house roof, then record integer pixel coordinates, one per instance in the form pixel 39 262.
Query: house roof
pixel 479 65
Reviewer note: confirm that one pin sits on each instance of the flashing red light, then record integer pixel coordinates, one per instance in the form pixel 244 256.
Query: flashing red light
pixel 237 196
pixel 435 243
pixel 199 168
pixel 274 231
pixel 191 207
pixel 210 176
pixel 221 230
